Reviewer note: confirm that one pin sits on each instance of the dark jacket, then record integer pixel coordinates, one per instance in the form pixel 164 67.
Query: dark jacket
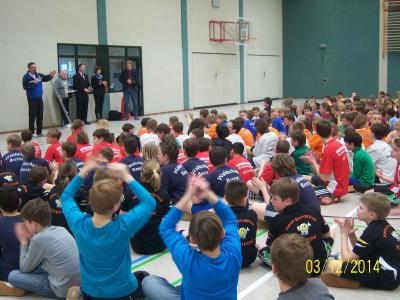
pixel 34 90
pixel 80 84
pixel 97 85
pixel 123 78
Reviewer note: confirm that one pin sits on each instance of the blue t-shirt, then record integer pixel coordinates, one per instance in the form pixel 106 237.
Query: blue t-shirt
pixel 248 124
pixel 196 166
pixel 28 164
pixel 278 124
pixel 220 177
pixel 135 164
pixel 104 254
pixel 9 245
pixel 204 277
pixel 12 161
pixel 173 180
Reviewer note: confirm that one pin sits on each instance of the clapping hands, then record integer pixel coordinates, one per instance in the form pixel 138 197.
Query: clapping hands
pixel 346 226
pixel 22 233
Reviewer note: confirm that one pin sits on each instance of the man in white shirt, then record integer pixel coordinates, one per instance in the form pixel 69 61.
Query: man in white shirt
pixel 150 136
pixel 380 152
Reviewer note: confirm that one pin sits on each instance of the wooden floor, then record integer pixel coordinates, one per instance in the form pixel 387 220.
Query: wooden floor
pixel 257 281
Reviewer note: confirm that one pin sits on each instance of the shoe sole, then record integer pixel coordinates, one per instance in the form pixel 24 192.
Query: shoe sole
pixel 335 281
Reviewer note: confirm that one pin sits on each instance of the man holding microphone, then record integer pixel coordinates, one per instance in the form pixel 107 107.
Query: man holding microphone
pixel 32 83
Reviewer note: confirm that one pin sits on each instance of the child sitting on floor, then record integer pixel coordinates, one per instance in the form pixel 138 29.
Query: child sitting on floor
pixel 236 196
pixel 26 136
pixel 299 144
pixel 103 242
pixel 193 164
pixel 53 152
pixel 213 272
pixel 377 249
pixel 291 254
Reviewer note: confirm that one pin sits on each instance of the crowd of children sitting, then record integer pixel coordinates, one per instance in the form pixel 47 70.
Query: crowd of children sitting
pixel 69 219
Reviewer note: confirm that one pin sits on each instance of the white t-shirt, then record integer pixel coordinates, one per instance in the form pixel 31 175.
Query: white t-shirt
pixel 149 138
pixel 380 153
pixel 181 138
pixel 235 138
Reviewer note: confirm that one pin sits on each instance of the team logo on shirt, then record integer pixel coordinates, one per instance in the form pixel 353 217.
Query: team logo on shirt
pixel 9 178
pixel 304 228
pixel 396 235
pixel 243 232
pixel 58 203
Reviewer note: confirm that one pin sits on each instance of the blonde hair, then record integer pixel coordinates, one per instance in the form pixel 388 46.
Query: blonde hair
pixel 103 124
pixel 150 151
pixel 151 174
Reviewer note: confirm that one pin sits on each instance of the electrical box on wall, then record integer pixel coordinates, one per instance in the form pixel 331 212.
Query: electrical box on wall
pixel 215 3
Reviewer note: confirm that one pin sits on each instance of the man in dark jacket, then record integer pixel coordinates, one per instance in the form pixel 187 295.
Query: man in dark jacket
pixel 130 84
pixel 32 83
pixel 82 87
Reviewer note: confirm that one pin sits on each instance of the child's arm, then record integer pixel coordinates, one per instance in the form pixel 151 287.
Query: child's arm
pixel 347 231
pixel 379 173
pixel 31 250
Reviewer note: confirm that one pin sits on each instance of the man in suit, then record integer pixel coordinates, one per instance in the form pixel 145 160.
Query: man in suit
pixel 32 83
pixel 82 87
pixel 130 84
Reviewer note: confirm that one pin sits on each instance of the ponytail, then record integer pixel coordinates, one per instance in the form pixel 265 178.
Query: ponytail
pixel 151 174
pixel 66 171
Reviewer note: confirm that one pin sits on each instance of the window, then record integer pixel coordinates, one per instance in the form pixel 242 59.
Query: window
pixel 111 58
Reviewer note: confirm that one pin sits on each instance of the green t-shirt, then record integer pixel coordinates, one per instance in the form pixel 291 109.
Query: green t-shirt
pixel 302 167
pixel 363 167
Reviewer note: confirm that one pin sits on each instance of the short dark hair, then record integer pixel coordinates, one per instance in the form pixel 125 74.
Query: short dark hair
pixel 236 124
pixel 197 123
pixel 261 126
pixel 241 123
pixel 217 156
pixel 177 127
pixel 38 174
pixel 171 150
pixel 379 131
pixel 300 137
pixel 204 144
pixel 80 65
pixel 204 112
pixel 9 199
pixel 391 112
pixel 107 153
pixel 268 100
pixel 289 256
pixel 206 229
pixel 127 127
pixel 30 64
pixel 14 140
pixel 235 192
pixel 173 119
pixel 222 131
pixel 28 150
pixel 130 145
pixel 26 135
pixel 102 133
pixel 37 210
pixel 286 188
pixel 191 147
pixel 324 128
pixel 82 138
pixel 163 128
pixel 283 165
pixel 151 124
pixel 198 133
pixel 144 121
pixel 282 146
pixel 353 138
pixel 69 148
pixel 238 148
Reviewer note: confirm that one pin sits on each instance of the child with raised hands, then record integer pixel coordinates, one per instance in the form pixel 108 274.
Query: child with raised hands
pixel 103 241
pixel 212 272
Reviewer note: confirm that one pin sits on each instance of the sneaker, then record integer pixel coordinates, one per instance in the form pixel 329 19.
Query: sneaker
pixel 7 289
pixel 67 126
pixel 264 255
pixel 74 293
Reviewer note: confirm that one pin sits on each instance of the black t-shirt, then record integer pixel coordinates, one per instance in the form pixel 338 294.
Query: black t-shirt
pixel 196 166
pixel 28 164
pixel 306 221
pixel 31 191
pixel 173 180
pixel 148 239
pixel 135 164
pixel 247 225
pixel 57 215
pixel 9 246
pixel 220 177
pixel 380 242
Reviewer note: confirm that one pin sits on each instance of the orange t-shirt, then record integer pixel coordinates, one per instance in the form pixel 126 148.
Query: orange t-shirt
pixel 316 145
pixel 212 131
pixel 142 130
pixel 272 129
pixel 247 137
pixel 366 136
pixel 308 134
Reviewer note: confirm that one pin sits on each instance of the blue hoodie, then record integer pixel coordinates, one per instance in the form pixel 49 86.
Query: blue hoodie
pixel 34 90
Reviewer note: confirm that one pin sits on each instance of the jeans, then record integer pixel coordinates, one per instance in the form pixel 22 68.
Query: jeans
pixel 131 95
pixel 35 114
pixel 158 288
pixel 354 181
pixel 36 282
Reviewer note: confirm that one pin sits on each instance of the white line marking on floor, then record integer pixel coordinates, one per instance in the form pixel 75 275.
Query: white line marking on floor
pixel 252 287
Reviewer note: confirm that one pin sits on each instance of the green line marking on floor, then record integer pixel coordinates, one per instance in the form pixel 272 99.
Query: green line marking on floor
pixel 150 260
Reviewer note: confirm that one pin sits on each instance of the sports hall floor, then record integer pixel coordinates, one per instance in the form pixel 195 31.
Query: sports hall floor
pixel 256 282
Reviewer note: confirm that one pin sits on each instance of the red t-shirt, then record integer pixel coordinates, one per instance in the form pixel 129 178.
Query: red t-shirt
pixel 71 138
pixel 205 156
pixel 268 175
pixel 122 150
pixel 53 153
pixel 38 152
pixel 82 151
pixel 97 148
pixel 117 152
pixel 334 164
pixel 181 157
pixel 243 166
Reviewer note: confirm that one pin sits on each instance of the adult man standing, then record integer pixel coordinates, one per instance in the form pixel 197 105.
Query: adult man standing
pixel 61 87
pixel 32 83
pixel 130 84
pixel 82 87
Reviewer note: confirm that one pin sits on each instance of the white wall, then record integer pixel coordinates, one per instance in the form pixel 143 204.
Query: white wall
pixel 156 26
pixel 30 31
